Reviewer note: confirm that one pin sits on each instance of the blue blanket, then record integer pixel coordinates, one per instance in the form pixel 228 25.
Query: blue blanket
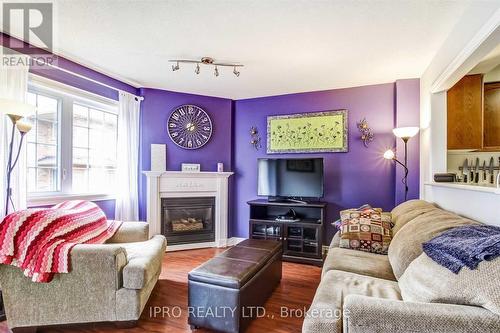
pixel 464 246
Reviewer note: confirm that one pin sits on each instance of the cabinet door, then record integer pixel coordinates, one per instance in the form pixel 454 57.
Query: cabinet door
pixel 292 239
pixel 465 114
pixel 492 115
pixel 312 243
pixel 261 230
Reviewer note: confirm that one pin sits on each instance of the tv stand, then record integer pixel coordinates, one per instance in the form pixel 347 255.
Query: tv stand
pixel 302 238
pixel 286 200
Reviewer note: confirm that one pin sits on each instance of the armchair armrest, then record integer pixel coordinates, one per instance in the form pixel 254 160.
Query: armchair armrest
pixel 85 294
pixel 363 314
pixel 130 232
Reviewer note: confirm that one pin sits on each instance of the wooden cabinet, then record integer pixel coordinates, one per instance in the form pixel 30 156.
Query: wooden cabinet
pixel 474 114
pixel 465 113
pixel 302 240
pixel 492 115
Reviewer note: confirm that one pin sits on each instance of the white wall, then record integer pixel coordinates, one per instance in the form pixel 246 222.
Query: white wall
pixel 475 35
pixel 493 75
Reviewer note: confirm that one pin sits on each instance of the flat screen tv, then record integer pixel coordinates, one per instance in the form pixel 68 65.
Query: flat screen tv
pixel 290 178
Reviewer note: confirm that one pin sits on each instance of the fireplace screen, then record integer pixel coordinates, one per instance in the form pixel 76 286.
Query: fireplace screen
pixel 188 220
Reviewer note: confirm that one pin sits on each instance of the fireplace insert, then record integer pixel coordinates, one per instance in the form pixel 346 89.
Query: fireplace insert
pixel 188 220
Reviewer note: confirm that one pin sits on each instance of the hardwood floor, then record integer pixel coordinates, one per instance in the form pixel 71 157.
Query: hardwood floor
pixel 295 292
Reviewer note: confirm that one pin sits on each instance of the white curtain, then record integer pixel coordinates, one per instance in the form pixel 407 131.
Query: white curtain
pixel 13 85
pixel 127 201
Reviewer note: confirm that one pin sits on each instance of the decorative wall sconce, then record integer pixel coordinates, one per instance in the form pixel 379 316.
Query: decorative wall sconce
pixel 366 132
pixel 255 138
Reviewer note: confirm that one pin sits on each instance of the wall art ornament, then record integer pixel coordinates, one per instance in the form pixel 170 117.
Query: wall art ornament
pixel 366 132
pixel 189 126
pixel 314 132
pixel 255 138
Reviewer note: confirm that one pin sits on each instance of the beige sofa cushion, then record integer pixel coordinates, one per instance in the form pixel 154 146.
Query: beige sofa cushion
pixel 427 281
pixel 406 245
pixel 363 263
pixel 407 211
pixel 144 261
pixel 325 313
pixel 335 240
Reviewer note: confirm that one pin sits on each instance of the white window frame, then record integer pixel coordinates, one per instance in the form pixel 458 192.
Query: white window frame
pixel 67 96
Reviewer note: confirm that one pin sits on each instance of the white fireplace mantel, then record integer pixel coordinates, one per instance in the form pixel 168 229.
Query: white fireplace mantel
pixel 178 184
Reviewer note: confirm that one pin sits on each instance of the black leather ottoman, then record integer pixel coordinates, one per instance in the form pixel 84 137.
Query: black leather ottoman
pixel 224 292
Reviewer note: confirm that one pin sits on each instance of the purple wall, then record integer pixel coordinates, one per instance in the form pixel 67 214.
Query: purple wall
pixel 155 110
pixel 351 179
pixel 408 114
pixel 354 178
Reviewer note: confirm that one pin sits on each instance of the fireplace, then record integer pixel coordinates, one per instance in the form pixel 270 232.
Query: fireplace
pixel 188 220
pixel 168 186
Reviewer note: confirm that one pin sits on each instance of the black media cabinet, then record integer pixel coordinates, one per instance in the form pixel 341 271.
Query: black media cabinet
pixel 302 240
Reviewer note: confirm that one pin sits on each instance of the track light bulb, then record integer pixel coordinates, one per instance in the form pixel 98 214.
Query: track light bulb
pixel 216 71
pixel 197 70
pixel 235 72
pixel 175 67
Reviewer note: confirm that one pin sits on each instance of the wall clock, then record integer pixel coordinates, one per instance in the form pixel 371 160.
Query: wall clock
pixel 189 126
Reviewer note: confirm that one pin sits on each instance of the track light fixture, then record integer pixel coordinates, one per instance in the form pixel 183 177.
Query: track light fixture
pixel 206 61
pixel 175 67
pixel 235 72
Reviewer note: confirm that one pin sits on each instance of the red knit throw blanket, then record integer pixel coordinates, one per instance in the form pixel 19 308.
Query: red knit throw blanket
pixel 39 240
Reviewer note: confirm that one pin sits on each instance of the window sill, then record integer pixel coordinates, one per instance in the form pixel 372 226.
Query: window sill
pixel 43 200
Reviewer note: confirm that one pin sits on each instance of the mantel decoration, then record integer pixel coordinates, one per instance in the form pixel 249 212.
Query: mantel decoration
pixel 255 138
pixel 189 126
pixel 206 61
pixel 366 132
pixel 313 132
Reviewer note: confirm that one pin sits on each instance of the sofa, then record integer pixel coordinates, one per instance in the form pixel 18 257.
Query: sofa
pixel 107 282
pixel 359 291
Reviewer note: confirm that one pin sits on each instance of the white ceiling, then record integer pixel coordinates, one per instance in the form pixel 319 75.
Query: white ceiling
pixel 286 46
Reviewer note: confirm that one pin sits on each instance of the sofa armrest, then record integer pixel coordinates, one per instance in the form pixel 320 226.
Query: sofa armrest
pixel 140 269
pixel 363 314
pixel 335 240
pixel 85 294
pixel 130 232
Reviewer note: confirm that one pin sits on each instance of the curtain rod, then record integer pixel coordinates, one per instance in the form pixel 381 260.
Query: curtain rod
pixel 140 98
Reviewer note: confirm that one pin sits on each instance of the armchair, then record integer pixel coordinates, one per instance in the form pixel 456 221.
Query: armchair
pixel 108 282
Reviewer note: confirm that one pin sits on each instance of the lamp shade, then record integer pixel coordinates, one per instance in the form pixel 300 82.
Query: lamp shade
pixel 405 132
pixel 23 127
pixel 16 108
pixel 389 154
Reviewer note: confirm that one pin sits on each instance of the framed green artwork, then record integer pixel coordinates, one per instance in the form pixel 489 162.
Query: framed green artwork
pixel 315 132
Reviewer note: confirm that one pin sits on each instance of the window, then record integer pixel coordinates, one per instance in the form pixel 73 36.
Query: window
pixel 94 149
pixel 72 146
pixel 43 145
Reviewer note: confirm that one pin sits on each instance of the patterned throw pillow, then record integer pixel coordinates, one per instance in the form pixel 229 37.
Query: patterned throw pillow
pixel 368 230
pixel 338 223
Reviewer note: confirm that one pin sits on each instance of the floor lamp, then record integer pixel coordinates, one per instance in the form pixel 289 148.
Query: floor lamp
pixel 16 111
pixel 404 133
